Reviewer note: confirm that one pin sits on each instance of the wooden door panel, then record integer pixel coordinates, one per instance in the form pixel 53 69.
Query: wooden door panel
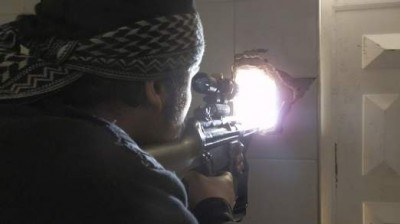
pixel 381 134
pixel 381 213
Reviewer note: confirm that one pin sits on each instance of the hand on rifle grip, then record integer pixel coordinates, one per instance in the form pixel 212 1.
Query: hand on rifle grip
pixel 206 165
pixel 200 187
pixel 237 166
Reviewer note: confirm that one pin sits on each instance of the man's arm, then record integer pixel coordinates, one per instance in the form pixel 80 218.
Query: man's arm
pixel 211 198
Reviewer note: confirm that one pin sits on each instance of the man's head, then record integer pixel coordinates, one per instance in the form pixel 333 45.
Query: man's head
pixel 99 16
pixel 150 111
pixel 129 61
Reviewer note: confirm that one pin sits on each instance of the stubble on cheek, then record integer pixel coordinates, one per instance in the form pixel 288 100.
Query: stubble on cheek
pixel 176 112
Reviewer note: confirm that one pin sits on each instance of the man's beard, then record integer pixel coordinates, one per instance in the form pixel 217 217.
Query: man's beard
pixel 175 112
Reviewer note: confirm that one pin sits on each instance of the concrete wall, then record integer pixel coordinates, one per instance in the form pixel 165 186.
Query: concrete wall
pixel 284 168
pixel 9 9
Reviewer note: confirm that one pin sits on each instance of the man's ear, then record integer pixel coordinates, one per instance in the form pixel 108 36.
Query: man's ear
pixel 154 94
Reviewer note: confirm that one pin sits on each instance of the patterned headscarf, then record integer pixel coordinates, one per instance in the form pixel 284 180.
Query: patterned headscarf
pixel 145 50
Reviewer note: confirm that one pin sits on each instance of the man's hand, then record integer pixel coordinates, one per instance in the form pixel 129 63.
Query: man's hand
pixel 201 187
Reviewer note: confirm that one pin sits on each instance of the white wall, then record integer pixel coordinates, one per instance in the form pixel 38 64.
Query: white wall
pixel 284 176
pixel 9 9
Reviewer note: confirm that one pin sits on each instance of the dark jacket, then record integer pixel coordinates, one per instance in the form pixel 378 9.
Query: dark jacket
pixel 62 166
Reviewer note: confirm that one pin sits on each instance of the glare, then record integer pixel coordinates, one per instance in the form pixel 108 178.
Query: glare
pixel 256 104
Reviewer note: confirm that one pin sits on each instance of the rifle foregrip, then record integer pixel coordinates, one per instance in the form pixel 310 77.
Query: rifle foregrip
pixel 228 158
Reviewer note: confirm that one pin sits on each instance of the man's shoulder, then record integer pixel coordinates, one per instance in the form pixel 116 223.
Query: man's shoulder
pixel 89 162
pixel 52 131
pixel 70 135
pixel 86 143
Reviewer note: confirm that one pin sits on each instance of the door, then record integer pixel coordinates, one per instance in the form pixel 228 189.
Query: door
pixel 360 111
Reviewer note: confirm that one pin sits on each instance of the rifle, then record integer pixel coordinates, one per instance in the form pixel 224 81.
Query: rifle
pixel 215 140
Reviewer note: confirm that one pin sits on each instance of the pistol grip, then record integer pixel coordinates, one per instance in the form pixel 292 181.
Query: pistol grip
pixel 206 166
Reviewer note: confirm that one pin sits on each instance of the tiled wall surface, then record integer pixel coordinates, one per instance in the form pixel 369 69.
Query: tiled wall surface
pixel 282 191
pixel 283 177
pixel 9 10
pixel 283 180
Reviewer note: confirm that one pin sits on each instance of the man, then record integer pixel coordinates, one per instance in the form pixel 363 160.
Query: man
pixel 84 84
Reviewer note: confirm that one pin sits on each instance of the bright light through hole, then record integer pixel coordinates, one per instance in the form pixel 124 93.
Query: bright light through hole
pixel 256 104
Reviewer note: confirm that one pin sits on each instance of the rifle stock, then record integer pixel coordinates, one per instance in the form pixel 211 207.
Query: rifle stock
pixel 210 147
pixel 178 156
pixel 202 141
pixel 214 140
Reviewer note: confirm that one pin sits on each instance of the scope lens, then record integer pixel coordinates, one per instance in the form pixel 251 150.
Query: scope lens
pixel 203 83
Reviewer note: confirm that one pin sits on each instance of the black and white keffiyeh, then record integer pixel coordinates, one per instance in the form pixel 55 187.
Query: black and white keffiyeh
pixel 145 50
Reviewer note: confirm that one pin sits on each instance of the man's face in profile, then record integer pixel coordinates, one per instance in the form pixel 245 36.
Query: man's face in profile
pixel 176 108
